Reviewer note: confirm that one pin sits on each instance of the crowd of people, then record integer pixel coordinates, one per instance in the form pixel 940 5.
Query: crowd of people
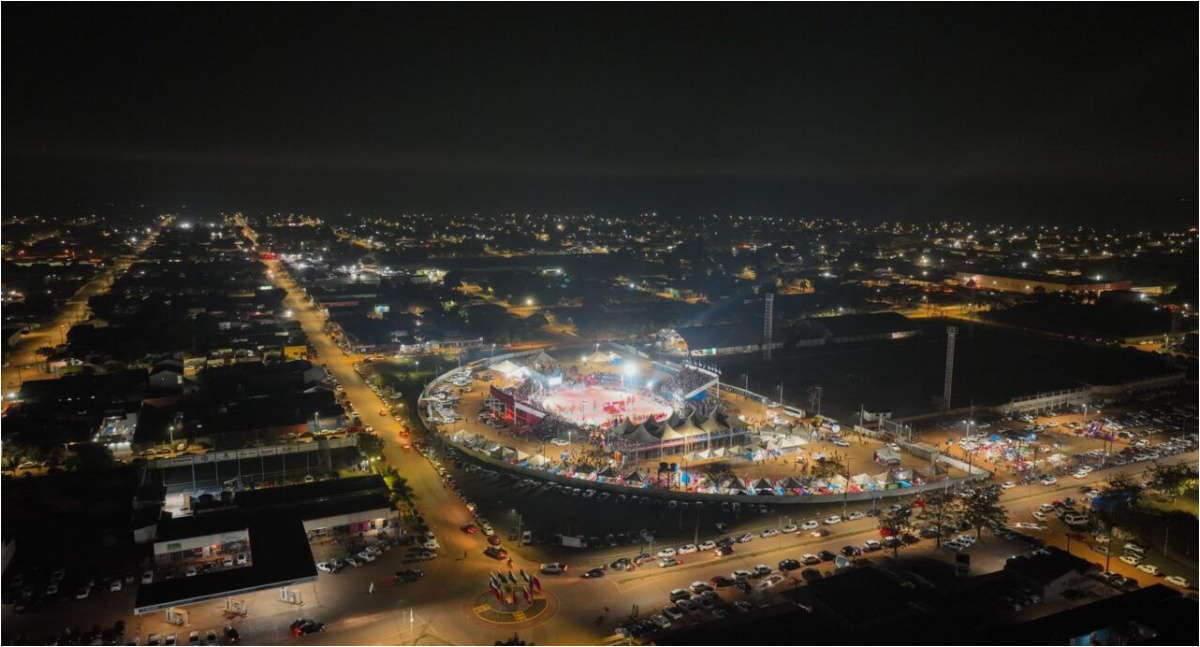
pixel 684 382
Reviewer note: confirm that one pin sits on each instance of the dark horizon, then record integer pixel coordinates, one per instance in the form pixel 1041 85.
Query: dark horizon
pixel 1044 114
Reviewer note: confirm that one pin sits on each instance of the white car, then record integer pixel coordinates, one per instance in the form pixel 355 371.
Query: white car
pixel 855 516
pixel 1008 485
pixel 667 552
pixel 147 577
pixel 769 532
pixel 811 524
pixel 1149 569
pixel 1081 474
pixel 559 442
pixel 672 612
pixel 707 545
pixel 831 520
pixel 1130 559
pixel 788 529
pixel 325 567
pixel 1179 581
pixel 366 555
pixel 687 549
pixel 1049 480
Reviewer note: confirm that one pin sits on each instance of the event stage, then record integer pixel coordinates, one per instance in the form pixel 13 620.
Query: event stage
pixel 602 407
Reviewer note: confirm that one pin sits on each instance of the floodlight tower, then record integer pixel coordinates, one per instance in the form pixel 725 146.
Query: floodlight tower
pixel 951 333
pixel 768 325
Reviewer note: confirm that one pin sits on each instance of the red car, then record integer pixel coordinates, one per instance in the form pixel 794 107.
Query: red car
pixel 469 528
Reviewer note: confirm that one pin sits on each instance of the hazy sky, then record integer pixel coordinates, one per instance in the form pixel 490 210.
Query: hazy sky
pixel 1021 111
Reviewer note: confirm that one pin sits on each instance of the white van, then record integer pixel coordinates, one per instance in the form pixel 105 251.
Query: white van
pixel 793 412
pixel 1076 519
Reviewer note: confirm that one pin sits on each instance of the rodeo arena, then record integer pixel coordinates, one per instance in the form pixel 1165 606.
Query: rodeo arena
pixel 623 423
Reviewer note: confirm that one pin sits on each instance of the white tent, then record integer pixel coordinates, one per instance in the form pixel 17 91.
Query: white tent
pixel 538 459
pixel 507 368
pixel 598 357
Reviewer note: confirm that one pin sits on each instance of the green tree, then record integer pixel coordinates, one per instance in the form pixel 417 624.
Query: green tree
pixel 1171 480
pixel 941 509
pixel 895 524
pixel 17 453
pixel 1118 500
pixel 370 445
pixel 983 509
pixel 90 458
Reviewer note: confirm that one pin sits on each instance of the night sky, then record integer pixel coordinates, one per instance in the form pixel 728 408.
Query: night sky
pixel 1063 113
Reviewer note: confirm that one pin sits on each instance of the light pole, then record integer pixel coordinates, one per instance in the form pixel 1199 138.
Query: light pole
pixel 493 352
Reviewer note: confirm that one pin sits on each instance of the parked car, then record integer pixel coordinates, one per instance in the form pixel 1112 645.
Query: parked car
pixel 305 626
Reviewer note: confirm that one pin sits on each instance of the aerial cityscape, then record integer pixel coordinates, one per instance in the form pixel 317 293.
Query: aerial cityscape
pixel 637 324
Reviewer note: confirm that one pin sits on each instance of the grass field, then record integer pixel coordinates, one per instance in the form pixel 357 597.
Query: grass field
pixel 992 365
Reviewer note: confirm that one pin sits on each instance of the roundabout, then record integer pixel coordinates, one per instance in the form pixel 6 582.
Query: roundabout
pixel 511 607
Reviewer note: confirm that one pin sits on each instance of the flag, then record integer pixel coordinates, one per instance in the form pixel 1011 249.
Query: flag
pixel 524 576
pixel 537 584
pixel 512 579
pixel 495 589
pixel 492 581
pixel 528 595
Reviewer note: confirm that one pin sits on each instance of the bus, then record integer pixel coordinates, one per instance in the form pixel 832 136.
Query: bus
pixel 794 412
